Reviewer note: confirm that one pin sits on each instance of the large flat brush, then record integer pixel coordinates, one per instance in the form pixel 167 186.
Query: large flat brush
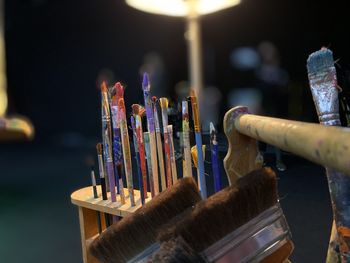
pixel 241 223
pixel 134 234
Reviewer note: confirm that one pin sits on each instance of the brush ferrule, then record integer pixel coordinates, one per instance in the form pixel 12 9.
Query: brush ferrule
pixel 253 241
pixel 145 255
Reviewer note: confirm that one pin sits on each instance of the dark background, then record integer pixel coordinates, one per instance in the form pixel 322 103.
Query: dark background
pixel 56 50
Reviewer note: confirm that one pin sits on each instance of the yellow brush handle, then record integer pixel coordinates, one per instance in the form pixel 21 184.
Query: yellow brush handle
pixel 154 161
pixel 161 160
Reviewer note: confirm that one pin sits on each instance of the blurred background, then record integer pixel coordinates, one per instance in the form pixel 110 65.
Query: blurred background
pixel 58 52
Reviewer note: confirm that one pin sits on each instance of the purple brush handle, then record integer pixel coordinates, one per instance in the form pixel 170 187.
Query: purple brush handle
pixel 215 167
pixel 110 172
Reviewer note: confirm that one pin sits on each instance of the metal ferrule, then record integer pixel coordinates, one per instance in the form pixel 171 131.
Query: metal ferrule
pixel 101 166
pixel 325 94
pixel 253 241
pixel 145 255
pixel 195 114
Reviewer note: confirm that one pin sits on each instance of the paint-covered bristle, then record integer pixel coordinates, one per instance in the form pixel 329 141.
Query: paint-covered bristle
pixel 145 82
pixel 136 232
pixel 119 90
pixel 230 208
pixel 99 148
pixel 212 128
pixel 135 109
pixel 154 99
pixel 104 87
pixel 163 103
pixel 142 111
pixel 320 61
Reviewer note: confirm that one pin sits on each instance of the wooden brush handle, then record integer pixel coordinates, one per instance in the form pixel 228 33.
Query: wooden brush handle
pixel 242 155
pixel 328 146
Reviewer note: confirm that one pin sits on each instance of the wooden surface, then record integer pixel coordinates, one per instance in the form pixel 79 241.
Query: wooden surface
pixel 84 198
pixel 15 129
pixel 242 154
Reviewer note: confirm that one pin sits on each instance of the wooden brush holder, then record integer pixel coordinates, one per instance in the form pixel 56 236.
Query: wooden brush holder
pixel 88 207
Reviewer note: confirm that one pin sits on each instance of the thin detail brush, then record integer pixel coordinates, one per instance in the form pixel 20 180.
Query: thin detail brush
pixel 198 135
pixel 93 182
pixel 101 167
pixel 187 167
pixel 172 153
pixel 214 158
pixel 151 129
pixel 126 149
pixel 164 106
pixel 149 161
pixel 137 111
pixel 159 144
pixel 137 156
pixel 107 141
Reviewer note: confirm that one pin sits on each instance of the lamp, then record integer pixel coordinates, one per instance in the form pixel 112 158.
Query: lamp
pixel 192 10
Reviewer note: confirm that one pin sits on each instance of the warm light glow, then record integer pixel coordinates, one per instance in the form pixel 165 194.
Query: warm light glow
pixel 181 7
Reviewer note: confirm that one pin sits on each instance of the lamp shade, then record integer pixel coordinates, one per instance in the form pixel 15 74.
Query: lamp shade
pixel 181 7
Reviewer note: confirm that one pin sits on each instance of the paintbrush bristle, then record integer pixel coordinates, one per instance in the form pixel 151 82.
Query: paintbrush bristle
pixel 154 99
pixel 104 87
pixel 142 111
pixel 320 61
pixel 212 128
pixel 99 148
pixel 174 251
pixel 135 109
pixel 119 90
pixel 136 232
pixel 145 82
pixel 192 93
pixel 224 212
pixel 163 103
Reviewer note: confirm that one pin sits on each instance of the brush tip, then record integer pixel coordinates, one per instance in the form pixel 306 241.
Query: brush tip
pixel 121 103
pixel 211 127
pixel 145 81
pixel 154 99
pixel 99 148
pixel 135 109
pixel 320 61
pixel 192 93
pixel 104 87
pixel 163 103
pixel 119 90
pixel 142 111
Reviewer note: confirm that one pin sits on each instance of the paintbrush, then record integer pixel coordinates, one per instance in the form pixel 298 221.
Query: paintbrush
pixel 249 223
pixel 94 191
pixel 149 161
pixel 107 141
pixel 117 145
pixel 134 237
pixel 101 167
pixel 172 153
pixel 214 158
pixel 151 129
pixel 323 84
pixel 138 162
pixel 187 167
pixel 198 136
pixel 126 149
pixel 159 144
pixel 138 111
pixel 164 107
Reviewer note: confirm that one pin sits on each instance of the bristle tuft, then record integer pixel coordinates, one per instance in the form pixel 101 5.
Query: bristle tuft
pixel 142 111
pixel 212 128
pixel 99 148
pixel 320 61
pixel 145 81
pixel 104 87
pixel 119 90
pixel 135 109
pixel 154 99
pixel 134 233
pixel 163 103
pixel 230 208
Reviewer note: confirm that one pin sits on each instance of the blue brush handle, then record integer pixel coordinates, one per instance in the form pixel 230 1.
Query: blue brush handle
pixel 215 167
pixel 202 184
